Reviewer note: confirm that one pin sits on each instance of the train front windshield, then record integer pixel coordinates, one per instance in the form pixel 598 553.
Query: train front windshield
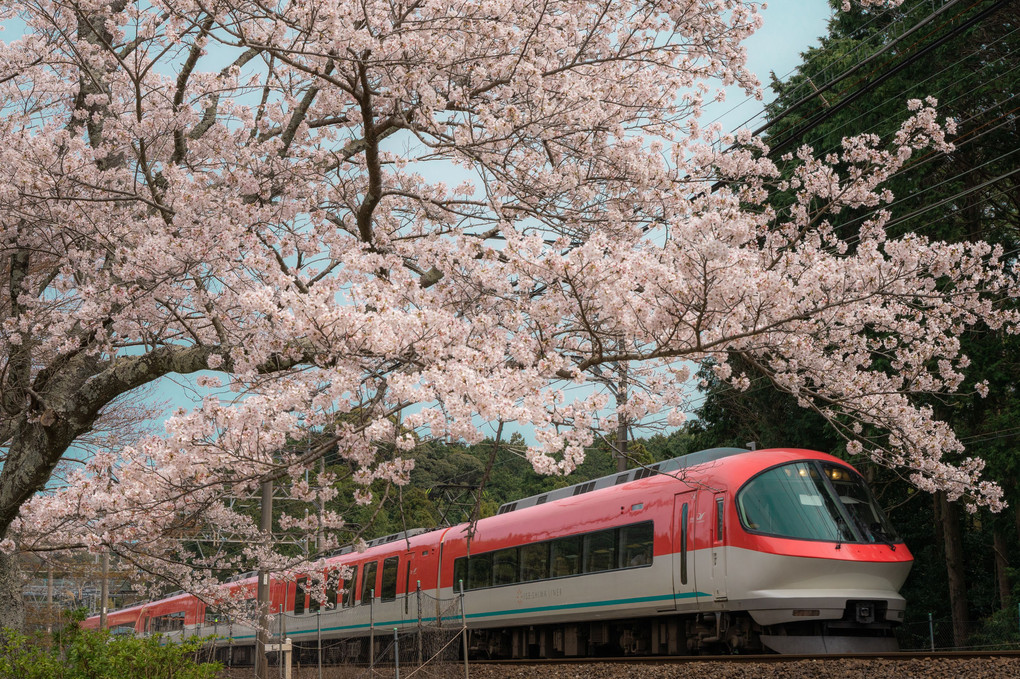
pixel 813 500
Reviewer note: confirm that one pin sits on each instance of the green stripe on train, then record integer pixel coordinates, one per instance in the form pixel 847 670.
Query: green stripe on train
pixel 489 614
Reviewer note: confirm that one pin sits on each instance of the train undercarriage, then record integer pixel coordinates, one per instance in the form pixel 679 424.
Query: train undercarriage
pixel 712 633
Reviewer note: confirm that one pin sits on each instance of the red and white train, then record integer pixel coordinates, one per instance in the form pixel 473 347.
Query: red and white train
pixel 723 550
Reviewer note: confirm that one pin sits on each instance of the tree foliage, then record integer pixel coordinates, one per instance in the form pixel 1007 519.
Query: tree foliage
pixel 972 192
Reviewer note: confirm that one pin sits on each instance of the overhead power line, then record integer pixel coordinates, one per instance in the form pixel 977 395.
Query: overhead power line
pixel 870 85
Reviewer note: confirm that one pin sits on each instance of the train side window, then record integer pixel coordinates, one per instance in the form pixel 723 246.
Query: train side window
pixel 505 567
pixel 299 595
pixel 535 562
pixel 719 520
pixel 460 573
pixel 332 585
pixel 566 556
pixel 368 581
pixel 389 578
pixel 600 551
pixel 480 571
pixel 349 585
pixel 636 545
pixel 313 598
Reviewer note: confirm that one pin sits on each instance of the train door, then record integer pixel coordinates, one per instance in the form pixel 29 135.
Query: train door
pixel 719 547
pixel 684 583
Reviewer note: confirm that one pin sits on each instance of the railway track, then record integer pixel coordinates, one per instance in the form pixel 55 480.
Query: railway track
pixel 764 658
pixel 971 664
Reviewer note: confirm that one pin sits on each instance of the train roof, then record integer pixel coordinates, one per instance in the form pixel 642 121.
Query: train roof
pixel 619 478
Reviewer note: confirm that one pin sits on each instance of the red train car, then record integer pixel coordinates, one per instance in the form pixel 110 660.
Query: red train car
pixel 726 549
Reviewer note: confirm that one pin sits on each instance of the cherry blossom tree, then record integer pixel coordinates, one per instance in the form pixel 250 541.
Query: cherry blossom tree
pixel 262 189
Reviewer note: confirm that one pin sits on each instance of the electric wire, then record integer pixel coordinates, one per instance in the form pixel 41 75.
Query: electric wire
pixel 812 98
pixel 857 49
pixel 831 110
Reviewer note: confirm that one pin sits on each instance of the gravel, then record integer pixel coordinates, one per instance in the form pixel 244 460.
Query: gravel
pixel 834 668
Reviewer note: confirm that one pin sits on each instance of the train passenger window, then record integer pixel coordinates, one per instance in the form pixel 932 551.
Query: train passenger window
pixel 299 595
pixel 313 597
pixel 349 585
pixel 389 578
pixel 480 571
pixel 535 562
pixel 636 545
pixel 460 573
pixel 368 581
pixel 600 551
pixel 719 519
pixel 505 565
pixel 332 585
pixel 566 556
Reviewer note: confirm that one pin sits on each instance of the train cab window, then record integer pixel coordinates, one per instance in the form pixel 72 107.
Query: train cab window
pixel 566 556
pixel 299 595
pixel 505 567
pixel 479 571
pixel 348 587
pixel 600 551
pixel 535 562
pixel 389 578
pixel 636 545
pixel 794 501
pixel 860 505
pixel 460 573
pixel 368 581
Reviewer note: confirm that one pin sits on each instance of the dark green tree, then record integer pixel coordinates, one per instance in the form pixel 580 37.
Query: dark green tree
pixel 858 82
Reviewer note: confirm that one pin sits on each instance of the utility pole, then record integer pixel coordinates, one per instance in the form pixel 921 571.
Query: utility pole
pixel 621 427
pixel 49 599
pixel 104 591
pixel 262 593
pixel 320 539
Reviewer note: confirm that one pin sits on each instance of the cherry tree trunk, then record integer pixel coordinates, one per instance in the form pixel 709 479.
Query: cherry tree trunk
pixel 952 541
pixel 1017 516
pixel 1001 567
pixel 12 603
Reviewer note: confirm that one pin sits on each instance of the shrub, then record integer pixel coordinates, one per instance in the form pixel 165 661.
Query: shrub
pixel 91 654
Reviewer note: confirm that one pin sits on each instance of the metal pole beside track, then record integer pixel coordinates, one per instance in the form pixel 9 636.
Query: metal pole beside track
pixel 396 654
pixel 318 638
pixel 463 628
pixel 420 663
pixel 931 632
pixel 371 634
